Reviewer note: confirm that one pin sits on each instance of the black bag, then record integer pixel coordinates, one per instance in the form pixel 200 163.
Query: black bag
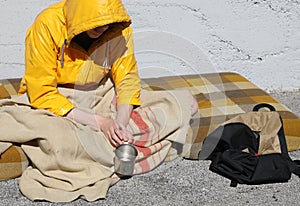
pixel 250 149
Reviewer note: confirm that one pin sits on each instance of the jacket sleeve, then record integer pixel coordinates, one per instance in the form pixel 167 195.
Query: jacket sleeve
pixel 41 71
pixel 125 72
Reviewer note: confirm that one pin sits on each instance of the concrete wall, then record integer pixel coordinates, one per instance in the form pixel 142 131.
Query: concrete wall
pixel 258 39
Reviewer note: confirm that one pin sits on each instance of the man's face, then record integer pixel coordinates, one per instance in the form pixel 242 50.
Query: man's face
pixel 96 32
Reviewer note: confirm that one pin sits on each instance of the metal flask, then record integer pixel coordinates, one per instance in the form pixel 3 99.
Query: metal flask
pixel 125 155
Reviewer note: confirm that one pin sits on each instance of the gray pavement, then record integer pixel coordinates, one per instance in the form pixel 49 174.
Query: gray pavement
pixel 184 182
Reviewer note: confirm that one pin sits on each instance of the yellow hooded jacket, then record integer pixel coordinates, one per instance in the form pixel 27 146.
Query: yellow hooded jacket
pixel 53 59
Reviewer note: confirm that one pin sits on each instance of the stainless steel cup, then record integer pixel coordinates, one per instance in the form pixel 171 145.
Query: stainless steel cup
pixel 125 155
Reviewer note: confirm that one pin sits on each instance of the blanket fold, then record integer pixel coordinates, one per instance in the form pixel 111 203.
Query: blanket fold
pixel 71 161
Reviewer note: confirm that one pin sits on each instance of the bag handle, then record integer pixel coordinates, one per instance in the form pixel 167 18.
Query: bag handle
pixel 259 106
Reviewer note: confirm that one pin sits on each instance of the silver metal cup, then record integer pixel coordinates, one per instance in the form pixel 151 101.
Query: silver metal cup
pixel 125 155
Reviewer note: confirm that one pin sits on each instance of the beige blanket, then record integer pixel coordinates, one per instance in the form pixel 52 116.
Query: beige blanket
pixel 71 161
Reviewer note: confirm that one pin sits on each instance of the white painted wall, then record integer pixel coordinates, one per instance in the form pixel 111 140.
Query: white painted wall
pixel 258 39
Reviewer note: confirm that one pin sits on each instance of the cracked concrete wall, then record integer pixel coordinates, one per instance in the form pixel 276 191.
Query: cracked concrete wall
pixel 258 39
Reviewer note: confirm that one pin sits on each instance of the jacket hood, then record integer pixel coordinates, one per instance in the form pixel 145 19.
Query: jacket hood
pixel 83 15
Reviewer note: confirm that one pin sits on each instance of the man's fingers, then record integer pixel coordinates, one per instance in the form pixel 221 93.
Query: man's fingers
pixel 125 133
pixel 116 136
pixel 110 139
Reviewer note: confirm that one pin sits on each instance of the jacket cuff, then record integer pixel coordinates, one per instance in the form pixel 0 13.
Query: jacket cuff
pixel 132 101
pixel 62 111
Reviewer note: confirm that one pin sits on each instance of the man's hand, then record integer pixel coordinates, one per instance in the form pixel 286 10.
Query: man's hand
pixel 114 132
pixel 123 115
